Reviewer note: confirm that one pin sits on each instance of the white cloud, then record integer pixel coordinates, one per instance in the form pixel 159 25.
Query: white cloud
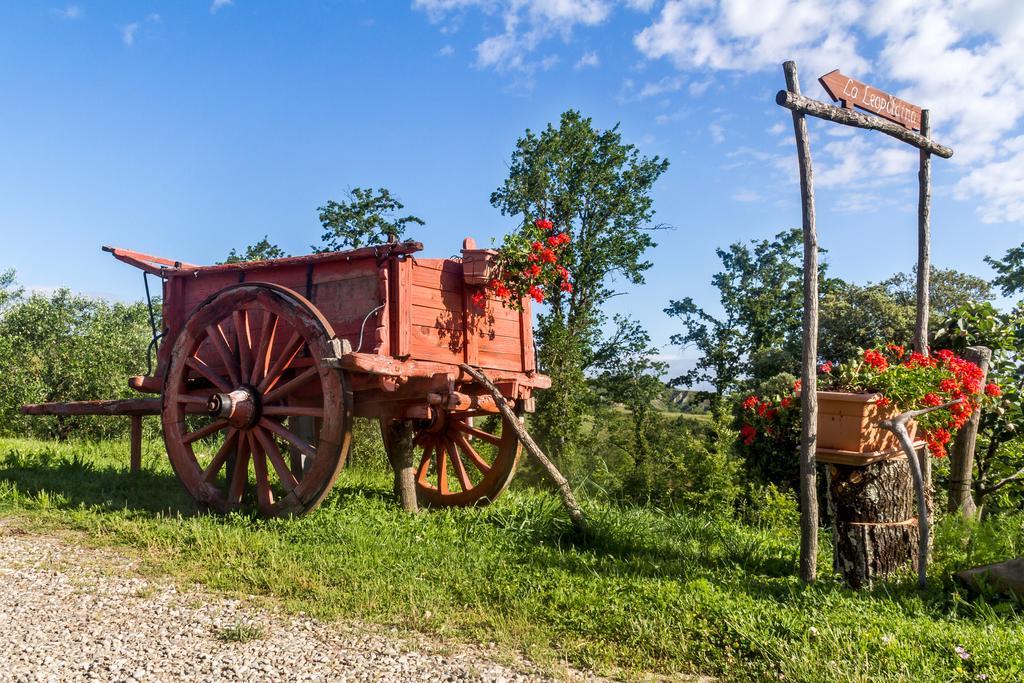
pixel 746 196
pixel 526 24
pixel 717 132
pixel 69 13
pixel 588 59
pixel 128 33
pixel 962 59
pixel 220 4
pixel 446 51
pixel 777 129
pixel 698 88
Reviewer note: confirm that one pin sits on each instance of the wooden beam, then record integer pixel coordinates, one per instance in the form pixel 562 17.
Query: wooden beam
pixel 130 406
pixel 805 105
pixel 809 357
pixel 924 241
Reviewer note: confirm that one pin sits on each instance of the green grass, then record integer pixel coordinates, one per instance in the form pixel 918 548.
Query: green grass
pixel 240 633
pixel 644 592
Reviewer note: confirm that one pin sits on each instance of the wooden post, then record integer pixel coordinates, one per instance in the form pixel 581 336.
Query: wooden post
pixel 398 435
pixel 560 482
pixel 924 241
pixel 961 458
pixel 809 357
pixel 135 461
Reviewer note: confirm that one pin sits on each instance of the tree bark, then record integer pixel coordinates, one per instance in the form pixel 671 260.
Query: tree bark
pixel 924 241
pixel 874 528
pixel 398 438
pixel 809 357
pixel 961 456
pixel 560 482
pixel 805 105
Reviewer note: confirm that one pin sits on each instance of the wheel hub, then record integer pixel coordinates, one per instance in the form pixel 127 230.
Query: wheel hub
pixel 241 407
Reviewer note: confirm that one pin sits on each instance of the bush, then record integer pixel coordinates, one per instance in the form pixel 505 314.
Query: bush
pixel 66 347
pixel 768 420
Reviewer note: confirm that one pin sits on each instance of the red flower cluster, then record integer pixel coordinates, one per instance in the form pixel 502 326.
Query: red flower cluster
pixel 764 415
pixel 825 367
pixel 876 359
pixel 993 390
pixel 529 262
pixel 914 380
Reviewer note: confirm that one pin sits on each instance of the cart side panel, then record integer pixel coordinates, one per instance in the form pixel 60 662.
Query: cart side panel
pixel 345 292
pixel 444 326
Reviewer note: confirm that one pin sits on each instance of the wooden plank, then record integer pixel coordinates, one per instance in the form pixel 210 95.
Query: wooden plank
pixel 404 290
pixel 373 364
pixel 436 298
pixel 510 358
pixel 432 317
pixel 128 406
pixel 429 343
pixel 380 251
pixel 434 279
pixel 526 338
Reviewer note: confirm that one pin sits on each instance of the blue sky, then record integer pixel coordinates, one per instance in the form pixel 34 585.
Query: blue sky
pixel 187 128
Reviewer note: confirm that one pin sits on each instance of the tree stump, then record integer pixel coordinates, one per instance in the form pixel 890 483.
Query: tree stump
pixel 875 530
pixel 398 435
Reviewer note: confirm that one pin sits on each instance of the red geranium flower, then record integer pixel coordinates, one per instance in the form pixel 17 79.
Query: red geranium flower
pixel 826 367
pixel 931 400
pixel 749 402
pixel 992 389
pixel 566 286
pixel 543 224
pixel 537 293
pixel 748 432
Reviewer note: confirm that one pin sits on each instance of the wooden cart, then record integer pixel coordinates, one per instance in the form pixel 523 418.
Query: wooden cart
pixel 266 363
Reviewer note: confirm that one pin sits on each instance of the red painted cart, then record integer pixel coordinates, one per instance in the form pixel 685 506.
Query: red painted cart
pixel 263 365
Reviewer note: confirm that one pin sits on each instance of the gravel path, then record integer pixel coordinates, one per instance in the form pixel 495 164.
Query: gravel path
pixel 69 613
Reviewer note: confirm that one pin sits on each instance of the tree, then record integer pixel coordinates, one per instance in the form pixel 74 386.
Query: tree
pixel 10 293
pixel 66 347
pixel 948 289
pixel 854 317
pixel 1010 269
pixel 589 182
pixel 368 217
pixel 260 251
pixel 631 377
pixel 758 334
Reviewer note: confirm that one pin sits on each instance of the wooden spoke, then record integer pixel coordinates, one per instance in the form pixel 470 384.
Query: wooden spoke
pixel 264 496
pixel 286 476
pixel 240 476
pixel 288 353
pixel 190 399
pixel 210 473
pixel 424 466
pixel 294 411
pixel 478 433
pixel 216 336
pixel 474 457
pixel 291 385
pixel 207 372
pixel 268 333
pixel 282 431
pixel 460 469
pixel 441 461
pixel 217 425
pixel 244 341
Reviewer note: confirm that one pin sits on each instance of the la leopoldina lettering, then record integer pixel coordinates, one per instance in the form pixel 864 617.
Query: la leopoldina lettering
pixel 855 93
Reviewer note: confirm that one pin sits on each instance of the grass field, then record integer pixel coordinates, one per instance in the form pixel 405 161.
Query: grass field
pixel 646 592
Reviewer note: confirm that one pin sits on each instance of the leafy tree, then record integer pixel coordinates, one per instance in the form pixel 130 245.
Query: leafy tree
pixel 65 347
pixel 10 293
pixel 587 181
pixel 368 216
pixel 758 334
pixel 1010 269
pixel 854 317
pixel 948 289
pixel 260 251
pixel 631 377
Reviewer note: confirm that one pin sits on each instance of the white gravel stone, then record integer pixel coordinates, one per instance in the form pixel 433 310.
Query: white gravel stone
pixel 71 613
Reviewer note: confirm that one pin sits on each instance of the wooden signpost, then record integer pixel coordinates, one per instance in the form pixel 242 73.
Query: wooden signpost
pixel 907 123
pixel 852 93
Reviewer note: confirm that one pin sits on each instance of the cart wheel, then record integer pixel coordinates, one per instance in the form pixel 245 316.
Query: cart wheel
pixel 243 371
pixel 465 458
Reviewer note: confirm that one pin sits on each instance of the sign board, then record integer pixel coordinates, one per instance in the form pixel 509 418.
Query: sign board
pixel 852 93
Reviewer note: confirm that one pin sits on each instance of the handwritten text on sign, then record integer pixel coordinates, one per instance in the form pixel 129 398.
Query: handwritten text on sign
pixel 853 93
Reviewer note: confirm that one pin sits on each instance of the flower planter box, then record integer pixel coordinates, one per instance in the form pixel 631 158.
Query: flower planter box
pixel 478 265
pixel 849 423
